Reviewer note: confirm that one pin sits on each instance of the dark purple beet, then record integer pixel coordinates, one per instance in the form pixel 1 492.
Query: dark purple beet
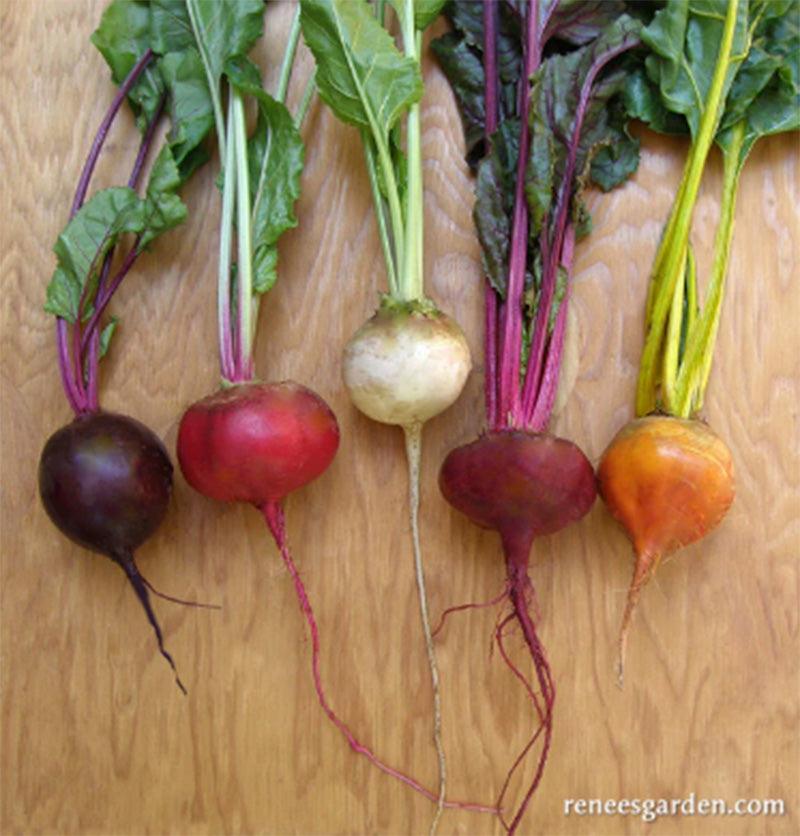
pixel 105 481
pixel 522 485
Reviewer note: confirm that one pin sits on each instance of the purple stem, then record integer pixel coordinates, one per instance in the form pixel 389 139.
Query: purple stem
pixel 70 365
pixel 91 372
pixel 533 376
pixel 105 125
pixel 511 337
pixel 104 294
pixel 538 418
pixel 491 81
pixel 64 366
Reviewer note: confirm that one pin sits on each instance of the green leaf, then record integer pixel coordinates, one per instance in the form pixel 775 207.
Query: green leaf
pixel 191 109
pixel 425 11
pixel 170 26
pixel 225 30
pixel 83 244
pixel 361 75
pixel 122 37
pixel 276 156
pixel 106 334
pixel 684 40
pixel 766 92
pixel 163 209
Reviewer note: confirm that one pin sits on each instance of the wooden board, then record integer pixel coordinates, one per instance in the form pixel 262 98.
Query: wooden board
pixel 95 736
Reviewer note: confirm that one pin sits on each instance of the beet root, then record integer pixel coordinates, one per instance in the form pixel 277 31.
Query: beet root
pixel 522 485
pixel 668 481
pixel 105 481
pixel 256 442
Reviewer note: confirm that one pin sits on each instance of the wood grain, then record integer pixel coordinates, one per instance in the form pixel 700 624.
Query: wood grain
pixel 96 738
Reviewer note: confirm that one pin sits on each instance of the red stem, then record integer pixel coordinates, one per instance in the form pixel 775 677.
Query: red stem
pixel 275 519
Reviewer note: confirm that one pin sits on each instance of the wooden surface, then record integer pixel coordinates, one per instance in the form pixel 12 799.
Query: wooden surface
pixel 95 736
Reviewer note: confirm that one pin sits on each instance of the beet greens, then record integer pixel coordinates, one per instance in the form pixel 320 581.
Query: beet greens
pixel 539 88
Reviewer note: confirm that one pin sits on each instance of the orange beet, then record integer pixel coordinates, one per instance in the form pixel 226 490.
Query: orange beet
pixel 669 481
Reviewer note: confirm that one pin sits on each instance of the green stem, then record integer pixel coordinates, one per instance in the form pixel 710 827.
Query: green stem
pixel 696 363
pixel 213 84
pixel 675 244
pixel 305 102
pixel 288 57
pixel 387 168
pixel 672 340
pixel 413 437
pixel 244 262
pixel 380 214
pixel 411 278
pixel 224 319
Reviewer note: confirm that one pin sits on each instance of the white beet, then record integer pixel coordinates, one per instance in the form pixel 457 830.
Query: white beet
pixel 403 368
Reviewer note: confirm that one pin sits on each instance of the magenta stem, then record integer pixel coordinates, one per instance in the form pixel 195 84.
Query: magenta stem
pixel 491 119
pixel 511 336
pixel 275 519
pixel 537 417
pixel 557 252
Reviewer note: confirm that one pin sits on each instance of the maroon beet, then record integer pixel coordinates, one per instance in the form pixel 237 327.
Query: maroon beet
pixel 105 481
pixel 522 485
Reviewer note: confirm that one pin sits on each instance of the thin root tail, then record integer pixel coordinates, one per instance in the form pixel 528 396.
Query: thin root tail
pixel 274 517
pixel 140 587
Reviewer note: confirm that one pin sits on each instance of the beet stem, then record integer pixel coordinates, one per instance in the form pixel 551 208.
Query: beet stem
pixel 75 398
pixel 105 126
pixel 490 95
pixel 139 585
pixel 105 293
pixel 413 439
pixel 276 522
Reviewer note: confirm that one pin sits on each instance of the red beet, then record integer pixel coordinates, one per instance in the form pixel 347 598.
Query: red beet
pixel 522 485
pixel 256 442
pixel 105 481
